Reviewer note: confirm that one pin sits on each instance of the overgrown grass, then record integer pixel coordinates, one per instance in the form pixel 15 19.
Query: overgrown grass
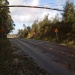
pixel 5 56
pixel 4 42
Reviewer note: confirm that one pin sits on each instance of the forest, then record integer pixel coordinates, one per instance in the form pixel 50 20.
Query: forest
pixel 56 30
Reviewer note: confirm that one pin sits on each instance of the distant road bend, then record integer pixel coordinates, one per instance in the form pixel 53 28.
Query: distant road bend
pixel 55 59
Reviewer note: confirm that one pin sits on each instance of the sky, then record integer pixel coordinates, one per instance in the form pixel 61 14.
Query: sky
pixel 27 16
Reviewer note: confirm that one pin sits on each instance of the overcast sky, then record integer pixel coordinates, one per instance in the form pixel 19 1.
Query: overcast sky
pixel 27 16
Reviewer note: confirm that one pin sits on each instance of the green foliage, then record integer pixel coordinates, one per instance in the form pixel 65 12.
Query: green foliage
pixel 69 12
pixel 23 33
pixel 6 21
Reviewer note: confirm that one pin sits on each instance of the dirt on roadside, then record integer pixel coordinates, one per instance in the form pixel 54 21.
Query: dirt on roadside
pixel 15 62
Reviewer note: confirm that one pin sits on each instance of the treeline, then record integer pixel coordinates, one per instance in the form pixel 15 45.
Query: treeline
pixel 55 30
pixel 6 22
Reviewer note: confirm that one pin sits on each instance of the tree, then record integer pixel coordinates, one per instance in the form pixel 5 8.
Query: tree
pixel 6 22
pixel 69 12
pixel 21 33
pixel 44 27
pixel 69 16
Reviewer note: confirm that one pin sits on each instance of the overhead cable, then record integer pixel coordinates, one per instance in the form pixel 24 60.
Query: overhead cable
pixel 31 7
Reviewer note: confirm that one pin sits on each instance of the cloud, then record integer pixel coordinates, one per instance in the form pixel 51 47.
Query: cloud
pixel 24 14
pixel 28 15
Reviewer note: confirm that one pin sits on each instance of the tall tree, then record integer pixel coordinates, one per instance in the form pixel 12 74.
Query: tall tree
pixel 69 15
pixel 44 26
pixel 69 12
pixel 6 22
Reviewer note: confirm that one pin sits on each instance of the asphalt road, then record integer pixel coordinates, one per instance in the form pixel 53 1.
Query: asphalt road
pixel 54 58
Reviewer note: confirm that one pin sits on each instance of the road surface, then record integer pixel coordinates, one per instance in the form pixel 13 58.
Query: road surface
pixel 54 58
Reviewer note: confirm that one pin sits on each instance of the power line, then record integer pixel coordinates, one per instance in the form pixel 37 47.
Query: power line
pixel 31 7
pixel 52 4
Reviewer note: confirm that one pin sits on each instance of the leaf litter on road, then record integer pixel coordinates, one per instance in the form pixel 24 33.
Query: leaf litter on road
pixel 15 62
